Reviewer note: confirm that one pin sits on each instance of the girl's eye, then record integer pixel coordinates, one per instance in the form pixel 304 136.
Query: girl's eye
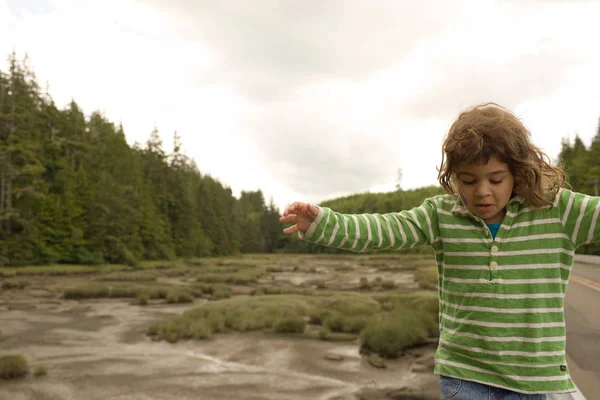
pixel 468 182
pixel 496 182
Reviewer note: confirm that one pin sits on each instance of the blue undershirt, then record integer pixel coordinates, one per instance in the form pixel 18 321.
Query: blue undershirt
pixel 494 228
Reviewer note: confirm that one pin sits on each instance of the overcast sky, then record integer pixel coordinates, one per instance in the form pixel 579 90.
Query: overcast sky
pixel 310 100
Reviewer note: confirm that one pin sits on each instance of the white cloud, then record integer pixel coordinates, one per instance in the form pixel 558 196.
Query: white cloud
pixel 314 102
pixel 264 49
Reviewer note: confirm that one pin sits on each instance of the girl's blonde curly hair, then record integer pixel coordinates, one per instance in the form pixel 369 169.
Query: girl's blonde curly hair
pixel 488 129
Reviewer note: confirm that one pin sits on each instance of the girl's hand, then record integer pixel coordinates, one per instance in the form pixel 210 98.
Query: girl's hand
pixel 303 214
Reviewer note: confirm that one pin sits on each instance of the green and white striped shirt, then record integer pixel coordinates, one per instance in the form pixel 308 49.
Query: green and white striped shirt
pixel 501 299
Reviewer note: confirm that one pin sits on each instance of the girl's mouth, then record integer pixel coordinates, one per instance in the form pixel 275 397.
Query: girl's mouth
pixel 484 207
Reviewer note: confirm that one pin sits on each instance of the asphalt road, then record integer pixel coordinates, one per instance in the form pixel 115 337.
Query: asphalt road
pixel 582 311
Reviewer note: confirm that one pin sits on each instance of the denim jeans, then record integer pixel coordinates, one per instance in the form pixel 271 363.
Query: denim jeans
pixel 458 389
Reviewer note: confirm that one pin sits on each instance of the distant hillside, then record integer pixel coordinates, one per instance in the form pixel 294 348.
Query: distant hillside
pixel 382 202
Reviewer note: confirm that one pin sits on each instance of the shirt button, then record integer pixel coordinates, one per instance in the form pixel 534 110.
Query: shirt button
pixel 494 264
pixel 494 249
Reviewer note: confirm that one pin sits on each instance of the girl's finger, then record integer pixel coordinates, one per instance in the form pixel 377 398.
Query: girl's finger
pixel 289 218
pixel 291 229
pixel 291 209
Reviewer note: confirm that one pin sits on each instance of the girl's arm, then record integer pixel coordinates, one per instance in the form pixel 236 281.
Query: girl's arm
pixel 580 215
pixel 362 232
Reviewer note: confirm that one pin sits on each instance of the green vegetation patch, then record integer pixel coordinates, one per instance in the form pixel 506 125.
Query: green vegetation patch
pixel 326 334
pixel 420 300
pixel 142 299
pixel 137 276
pixel 290 325
pixel 74 269
pixel 214 291
pixel 351 304
pixel 427 277
pixel 344 313
pixel 390 334
pixel 241 277
pixel 178 271
pixel 179 296
pixel 347 323
pixel 60 270
pixel 87 291
pixel 40 370
pixel 13 366
pixel 245 261
pixel 279 290
pixel 235 314
pixel 96 291
pixel 274 269
pixel 340 313
pixel 15 284
pixel 408 320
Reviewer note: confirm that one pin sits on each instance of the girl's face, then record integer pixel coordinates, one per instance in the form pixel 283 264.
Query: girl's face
pixel 485 188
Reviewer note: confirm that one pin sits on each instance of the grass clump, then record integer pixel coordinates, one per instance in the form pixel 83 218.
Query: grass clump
pixel 340 337
pixel 347 323
pixel 344 313
pixel 318 316
pixel 241 277
pixel 61 269
pixel 388 284
pixel 137 276
pixel 236 314
pixel 87 291
pixel 15 284
pixel 389 335
pixel 155 292
pixel 427 277
pixel 95 291
pixel 290 325
pixel 414 318
pixel 13 366
pixel 364 284
pixel 321 285
pixel 179 296
pixel 246 261
pixel 125 292
pixel 212 291
pixel 281 290
pixel 324 333
pixel 180 328
pixel 409 302
pixel 351 304
pixel 40 370
pixel 179 271
pixel 142 299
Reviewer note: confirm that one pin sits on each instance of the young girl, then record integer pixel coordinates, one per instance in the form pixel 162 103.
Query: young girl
pixel 504 238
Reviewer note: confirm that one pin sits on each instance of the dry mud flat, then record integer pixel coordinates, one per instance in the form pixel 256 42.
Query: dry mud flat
pixel 98 349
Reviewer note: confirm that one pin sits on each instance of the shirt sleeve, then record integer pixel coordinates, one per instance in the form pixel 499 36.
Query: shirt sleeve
pixel 363 232
pixel 579 214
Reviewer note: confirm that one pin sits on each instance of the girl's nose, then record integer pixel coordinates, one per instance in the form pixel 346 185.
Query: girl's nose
pixel 482 190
